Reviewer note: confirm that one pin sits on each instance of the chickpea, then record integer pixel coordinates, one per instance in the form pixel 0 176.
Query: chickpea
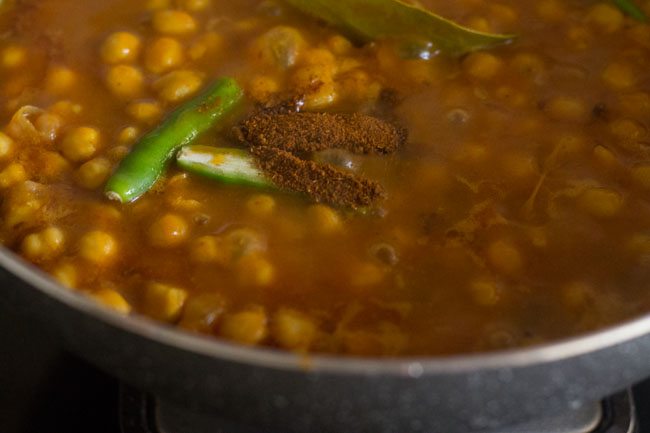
pixel 567 109
pixel 262 87
pixel 178 85
pixel 98 247
pixel 528 64
pixel 255 270
pixel 605 17
pixel 601 202
pixel 48 125
pixel 605 157
pixel 66 274
pixel 485 292
pixel 209 42
pixel 13 56
pixel 505 257
pixel 128 135
pixel 12 174
pixel 520 167
pixel 627 129
pixel 51 165
pixel 324 219
pixel 163 54
pixel 246 327
pixel 619 76
pixel 173 22
pixel 479 24
pixel 59 80
pixel 366 274
pixel 66 109
pixel 641 175
pixel 144 111
pixel 261 205
pixel 339 45
pixel 164 302
pixel 7 146
pixel 110 298
pixel 195 5
pixel 482 66
pixel 207 249
pixel 80 144
pixel 43 245
pixel 201 312
pixel 153 5
pixel 168 231
pixel 293 330
pixel 120 47
pixel 92 174
pixel 280 47
pixel 125 81
pixel 551 10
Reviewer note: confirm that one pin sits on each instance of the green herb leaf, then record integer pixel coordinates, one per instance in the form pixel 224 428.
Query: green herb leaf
pixel 394 19
pixel 632 10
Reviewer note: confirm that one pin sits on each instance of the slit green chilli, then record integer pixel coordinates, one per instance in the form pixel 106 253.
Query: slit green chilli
pixel 140 169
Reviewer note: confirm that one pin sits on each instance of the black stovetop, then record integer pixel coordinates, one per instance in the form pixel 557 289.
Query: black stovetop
pixel 44 389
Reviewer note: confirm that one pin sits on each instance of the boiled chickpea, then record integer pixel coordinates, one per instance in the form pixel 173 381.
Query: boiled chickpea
pixel 112 299
pixel 7 146
pixel 280 47
pixel 93 174
pixel 606 17
pixel 195 5
pixel 482 66
pixel 255 270
pixel 339 45
pixel 164 302
pixel 120 47
pixel 168 231
pixel 98 247
pixel 125 81
pixel 43 245
pixel 366 274
pixel 12 174
pixel 551 10
pixel 262 87
pixel 59 79
pixel 567 109
pixel 245 327
pixel 128 135
pixel 48 125
pixel 66 274
pixel 178 85
pixel 80 144
pixel 485 292
pixel 293 330
pixel 505 257
pixel 324 219
pixel 601 202
pixel 153 5
pixel 173 22
pixel 163 54
pixel 144 111
pixel 619 76
pixel 202 312
pixel 641 175
pixel 261 205
pixel 207 43
pixel 13 56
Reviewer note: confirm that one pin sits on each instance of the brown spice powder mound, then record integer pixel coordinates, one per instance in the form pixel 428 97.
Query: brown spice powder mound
pixel 280 139
pixel 310 132
pixel 321 182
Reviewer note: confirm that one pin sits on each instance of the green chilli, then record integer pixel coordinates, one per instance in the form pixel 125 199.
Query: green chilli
pixel 227 165
pixel 632 10
pixel 140 169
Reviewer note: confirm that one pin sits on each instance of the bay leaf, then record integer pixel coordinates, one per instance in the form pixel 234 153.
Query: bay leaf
pixel 631 9
pixel 369 20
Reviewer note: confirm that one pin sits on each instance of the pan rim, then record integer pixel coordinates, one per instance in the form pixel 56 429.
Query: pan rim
pixel 414 367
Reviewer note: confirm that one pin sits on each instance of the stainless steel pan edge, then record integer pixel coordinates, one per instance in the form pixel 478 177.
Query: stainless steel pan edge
pixel 327 394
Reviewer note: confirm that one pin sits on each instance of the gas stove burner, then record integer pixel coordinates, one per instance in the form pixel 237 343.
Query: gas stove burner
pixel 141 413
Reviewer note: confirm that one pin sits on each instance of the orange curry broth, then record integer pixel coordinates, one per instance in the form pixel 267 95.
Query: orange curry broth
pixel 517 212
